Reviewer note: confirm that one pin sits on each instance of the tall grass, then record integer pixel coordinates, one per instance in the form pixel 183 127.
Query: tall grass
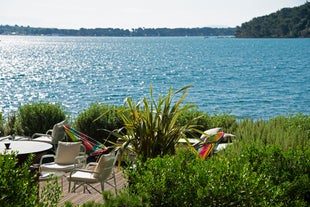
pixel 284 131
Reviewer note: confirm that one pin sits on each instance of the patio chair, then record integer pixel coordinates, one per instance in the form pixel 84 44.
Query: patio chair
pixel 69 155
pixel 95 172
pixel 52 136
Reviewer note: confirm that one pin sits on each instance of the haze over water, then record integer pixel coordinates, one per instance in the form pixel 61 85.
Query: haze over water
pixel 258 78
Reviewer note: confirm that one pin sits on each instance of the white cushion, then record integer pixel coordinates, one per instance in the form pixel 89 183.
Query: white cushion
pixel 49 167
pixel 67 152
pixel 81 176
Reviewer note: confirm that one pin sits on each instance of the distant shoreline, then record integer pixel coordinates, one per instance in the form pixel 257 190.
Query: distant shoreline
pixel 116 32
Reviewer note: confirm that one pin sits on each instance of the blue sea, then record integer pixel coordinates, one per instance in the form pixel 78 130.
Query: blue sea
pixel 255 78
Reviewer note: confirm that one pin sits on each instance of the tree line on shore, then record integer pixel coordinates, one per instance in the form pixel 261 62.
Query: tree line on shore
pixel 116 32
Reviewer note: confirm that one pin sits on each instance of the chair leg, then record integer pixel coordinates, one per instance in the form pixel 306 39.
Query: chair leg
pixel 102 186
pixel 114 178
pixel 69 188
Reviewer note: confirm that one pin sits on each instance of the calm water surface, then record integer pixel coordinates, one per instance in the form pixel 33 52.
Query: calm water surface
pixel 257 78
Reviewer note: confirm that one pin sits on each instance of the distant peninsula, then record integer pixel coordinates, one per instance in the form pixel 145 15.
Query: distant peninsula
pixel 115 32
pixel 285 23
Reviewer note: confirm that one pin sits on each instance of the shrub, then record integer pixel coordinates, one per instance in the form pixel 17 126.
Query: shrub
pixel 283 131
pixel 99 128
pixel 253 178
pixel 1 125
pixel 39 117
pixel 13 125
pixel 17 185
pixel 50 193
pixel 202 123
pixel 122 199
pixel 226 121
pixel 205 121
pixel 288 170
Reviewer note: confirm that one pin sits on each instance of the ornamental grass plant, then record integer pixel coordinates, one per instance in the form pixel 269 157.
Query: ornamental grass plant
pixel 151 125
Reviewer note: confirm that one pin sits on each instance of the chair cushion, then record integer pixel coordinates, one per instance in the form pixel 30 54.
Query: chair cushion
pixel 67 152
pixel 51 167
pixel 81 176
pixel 58 132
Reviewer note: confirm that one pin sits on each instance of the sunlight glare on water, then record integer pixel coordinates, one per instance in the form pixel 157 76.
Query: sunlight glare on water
pixel 257 78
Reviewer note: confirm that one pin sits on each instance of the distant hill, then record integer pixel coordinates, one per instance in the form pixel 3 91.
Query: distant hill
pixel 204 31
pixel 286 23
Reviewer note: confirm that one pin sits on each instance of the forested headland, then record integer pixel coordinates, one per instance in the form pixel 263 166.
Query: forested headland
pixel 285 23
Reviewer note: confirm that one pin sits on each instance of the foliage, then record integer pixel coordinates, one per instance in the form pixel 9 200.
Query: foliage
pixel 288 170
pixel 122 199
pixel 17 184
pixel 39 117
pixel 13 125
pixel 202 123
pixel 151 128
pixel 99 128
pixel 285 131
pixel 248 179
pixel 51 193
pixel 1 125
pixel 288 22
pixel 205 31
pixel 205 121
pixel 226 121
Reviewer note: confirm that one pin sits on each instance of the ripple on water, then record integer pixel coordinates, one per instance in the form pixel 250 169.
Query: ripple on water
pixel 248 77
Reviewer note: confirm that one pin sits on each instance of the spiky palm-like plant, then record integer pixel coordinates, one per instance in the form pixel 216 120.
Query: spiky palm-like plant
pixel 151 128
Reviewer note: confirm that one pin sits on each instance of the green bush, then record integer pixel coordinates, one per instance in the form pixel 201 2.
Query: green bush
pixel 13 125
pixel 258 177
pixel 122 199
pixel 1 125
pixel 288 170
pixel 205 121
pixel 17 185
pixel 39 117
pixel 99 128
pixel 284 131
pixel 226 121
pixel 202 123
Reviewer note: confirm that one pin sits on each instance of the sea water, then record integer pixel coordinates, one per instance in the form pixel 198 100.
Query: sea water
pixel 255 78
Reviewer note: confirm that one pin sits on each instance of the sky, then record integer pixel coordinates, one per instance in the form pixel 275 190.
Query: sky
pixel 128 14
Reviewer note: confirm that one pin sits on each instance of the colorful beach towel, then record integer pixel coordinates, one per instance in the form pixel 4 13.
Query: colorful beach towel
pixel 93 147
pixel 210 144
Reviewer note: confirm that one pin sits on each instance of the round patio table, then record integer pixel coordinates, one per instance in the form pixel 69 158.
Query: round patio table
pixel 25 147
